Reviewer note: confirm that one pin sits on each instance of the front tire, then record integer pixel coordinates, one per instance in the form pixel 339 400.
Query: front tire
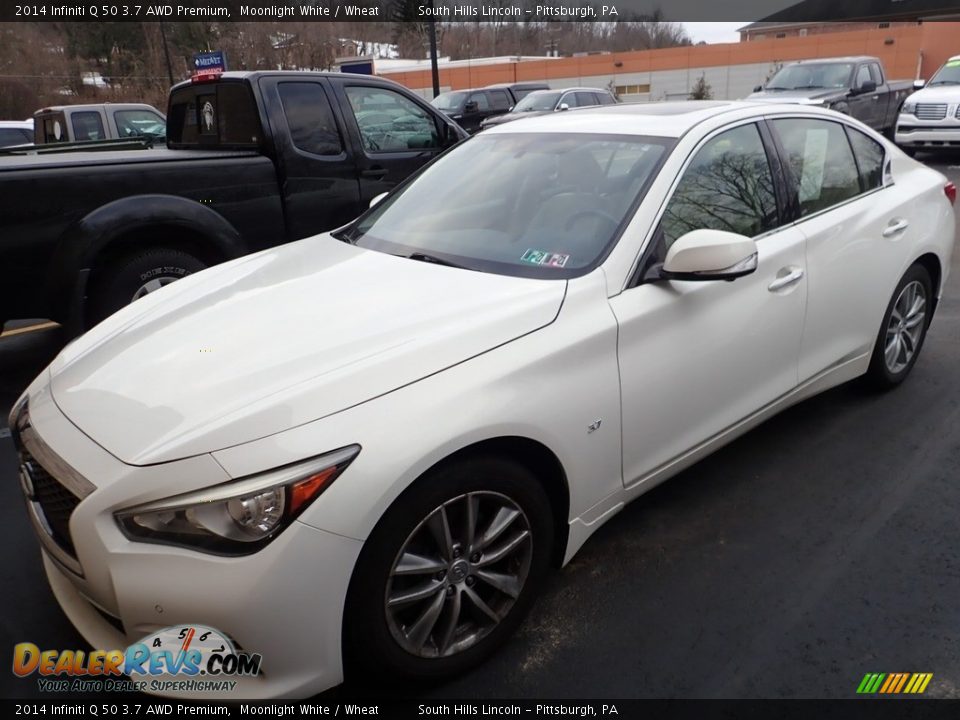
pixel 903 329
pixel 449 572
pixel 137 275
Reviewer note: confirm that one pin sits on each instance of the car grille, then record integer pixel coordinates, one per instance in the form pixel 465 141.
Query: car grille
pixel 957 113
pixel 930 111
pixel 55 501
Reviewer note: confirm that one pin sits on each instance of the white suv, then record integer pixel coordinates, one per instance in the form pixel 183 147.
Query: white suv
pixel 930 118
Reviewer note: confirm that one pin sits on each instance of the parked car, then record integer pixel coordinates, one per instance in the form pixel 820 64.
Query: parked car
pixel 855 86
pixel 253 159
pixel 519 90
pixel 375 442
pixel 930 118
pixel 548 101
pixel 102 121
pixel 15 132
pixel 469 107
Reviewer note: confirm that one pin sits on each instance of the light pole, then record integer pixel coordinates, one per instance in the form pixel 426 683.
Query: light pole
pixel 432 33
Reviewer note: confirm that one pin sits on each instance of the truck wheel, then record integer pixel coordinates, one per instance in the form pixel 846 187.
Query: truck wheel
pixel 138 275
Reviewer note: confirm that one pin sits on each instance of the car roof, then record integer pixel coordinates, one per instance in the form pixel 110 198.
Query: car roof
pixel 659 119
pixel 96 106
pixel 845 59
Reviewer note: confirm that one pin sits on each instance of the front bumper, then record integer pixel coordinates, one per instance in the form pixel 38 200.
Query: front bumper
pixel 914 133
pixel 284 602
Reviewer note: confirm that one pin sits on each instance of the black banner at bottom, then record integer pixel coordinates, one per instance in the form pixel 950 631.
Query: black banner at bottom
pixel 873 708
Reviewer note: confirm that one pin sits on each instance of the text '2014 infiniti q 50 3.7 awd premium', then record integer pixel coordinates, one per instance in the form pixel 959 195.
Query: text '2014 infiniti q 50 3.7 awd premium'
pixel 369 446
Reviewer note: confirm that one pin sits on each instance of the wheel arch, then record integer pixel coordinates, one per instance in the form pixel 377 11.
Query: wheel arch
pixel 931 262
pixel 118 228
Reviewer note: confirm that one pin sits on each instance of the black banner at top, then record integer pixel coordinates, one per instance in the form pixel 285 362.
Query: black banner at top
pixel 774 11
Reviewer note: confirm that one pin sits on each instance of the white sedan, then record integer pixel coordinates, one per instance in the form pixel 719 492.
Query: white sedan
pixel 366 448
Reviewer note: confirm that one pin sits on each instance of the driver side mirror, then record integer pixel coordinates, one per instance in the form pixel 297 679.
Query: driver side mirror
pixel 377 198
pixel 758 88
pixel 471 107
pixel 918 84
pixel 868 86
pixel 710 255
pixel 563 106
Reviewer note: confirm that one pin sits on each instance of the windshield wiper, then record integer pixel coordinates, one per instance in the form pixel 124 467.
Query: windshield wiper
pixel 347 235
pixel 808 87
pixel 945 82
pixel 424 257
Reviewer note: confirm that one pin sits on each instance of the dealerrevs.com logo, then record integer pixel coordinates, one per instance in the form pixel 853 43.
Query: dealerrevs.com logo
pixel 183 658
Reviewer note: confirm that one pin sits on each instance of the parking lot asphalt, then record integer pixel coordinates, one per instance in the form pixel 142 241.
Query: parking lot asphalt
pixel 821 546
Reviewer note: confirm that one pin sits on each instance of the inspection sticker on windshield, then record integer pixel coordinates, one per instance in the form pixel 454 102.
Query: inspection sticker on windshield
pixel 547 259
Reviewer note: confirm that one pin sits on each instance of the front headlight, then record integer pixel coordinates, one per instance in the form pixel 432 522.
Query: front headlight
pixel 238 517
pixel 908 108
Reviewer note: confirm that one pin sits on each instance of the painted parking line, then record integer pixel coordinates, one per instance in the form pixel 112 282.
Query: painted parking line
pixel 28 329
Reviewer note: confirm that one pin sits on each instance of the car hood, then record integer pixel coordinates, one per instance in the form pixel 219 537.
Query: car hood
pixel 277 339
pixel 795 96
pixel 937 94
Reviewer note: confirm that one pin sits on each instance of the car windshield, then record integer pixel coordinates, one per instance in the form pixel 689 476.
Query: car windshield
pixel 532 205
pixel 449 101
pixel 537 101
pixel 949 74
pixel 810 76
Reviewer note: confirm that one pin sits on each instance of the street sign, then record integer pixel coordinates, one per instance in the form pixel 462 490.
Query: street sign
pixel 209 63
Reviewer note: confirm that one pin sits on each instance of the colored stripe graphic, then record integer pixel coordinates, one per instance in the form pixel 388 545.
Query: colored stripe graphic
pixel 894 683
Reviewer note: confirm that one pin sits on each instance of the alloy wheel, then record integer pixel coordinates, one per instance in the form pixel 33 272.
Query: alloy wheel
pixel 458 574
pixel 153 285
pixel 906 327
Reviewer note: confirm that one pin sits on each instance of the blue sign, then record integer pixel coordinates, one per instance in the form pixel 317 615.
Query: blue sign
pixel 210 62
pixel 359 67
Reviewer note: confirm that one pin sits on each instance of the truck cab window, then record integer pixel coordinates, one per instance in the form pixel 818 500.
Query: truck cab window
pixel 389 122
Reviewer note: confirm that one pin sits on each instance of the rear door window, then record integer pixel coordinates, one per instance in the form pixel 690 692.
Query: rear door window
pixel 501 101
pixel 820 162
pixel 586 99
pixel 313 128
pixel 87 125
pixel 870 155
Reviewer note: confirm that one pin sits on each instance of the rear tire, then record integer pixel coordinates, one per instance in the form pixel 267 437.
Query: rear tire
pixel 137 275
pixel 903 330
pixel 381 623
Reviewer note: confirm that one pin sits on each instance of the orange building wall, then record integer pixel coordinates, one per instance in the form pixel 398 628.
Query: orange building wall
pixel 934 42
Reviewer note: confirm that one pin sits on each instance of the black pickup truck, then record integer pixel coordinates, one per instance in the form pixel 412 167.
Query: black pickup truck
pixel 855 86
pixel 253 159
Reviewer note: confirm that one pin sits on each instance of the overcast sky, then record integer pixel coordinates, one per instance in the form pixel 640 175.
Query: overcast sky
pixel 714 32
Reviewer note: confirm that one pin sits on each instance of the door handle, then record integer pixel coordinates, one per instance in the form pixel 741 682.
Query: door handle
pixel 375 173
pixel 786 281
pixel 895 226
